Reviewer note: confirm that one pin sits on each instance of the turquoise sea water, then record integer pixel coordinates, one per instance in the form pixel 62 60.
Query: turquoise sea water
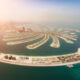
pixel 12 72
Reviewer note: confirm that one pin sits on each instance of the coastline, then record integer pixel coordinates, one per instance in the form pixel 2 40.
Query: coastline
pixel 39 60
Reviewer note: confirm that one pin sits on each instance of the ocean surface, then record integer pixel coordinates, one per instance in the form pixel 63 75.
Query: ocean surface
pixel 13 72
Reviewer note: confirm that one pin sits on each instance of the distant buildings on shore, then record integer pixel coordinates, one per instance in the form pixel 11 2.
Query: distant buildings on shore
pixel 25 30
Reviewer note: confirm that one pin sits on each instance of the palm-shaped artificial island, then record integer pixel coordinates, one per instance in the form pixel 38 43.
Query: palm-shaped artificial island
pixel 37 38
pixel 24 36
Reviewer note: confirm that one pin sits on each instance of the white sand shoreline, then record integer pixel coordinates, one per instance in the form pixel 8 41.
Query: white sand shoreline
pixel 39 61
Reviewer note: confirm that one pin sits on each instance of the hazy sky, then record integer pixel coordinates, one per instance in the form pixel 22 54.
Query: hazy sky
pixel 67 11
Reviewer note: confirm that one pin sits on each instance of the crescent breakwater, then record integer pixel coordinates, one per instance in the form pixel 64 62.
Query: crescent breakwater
pixel 62 60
